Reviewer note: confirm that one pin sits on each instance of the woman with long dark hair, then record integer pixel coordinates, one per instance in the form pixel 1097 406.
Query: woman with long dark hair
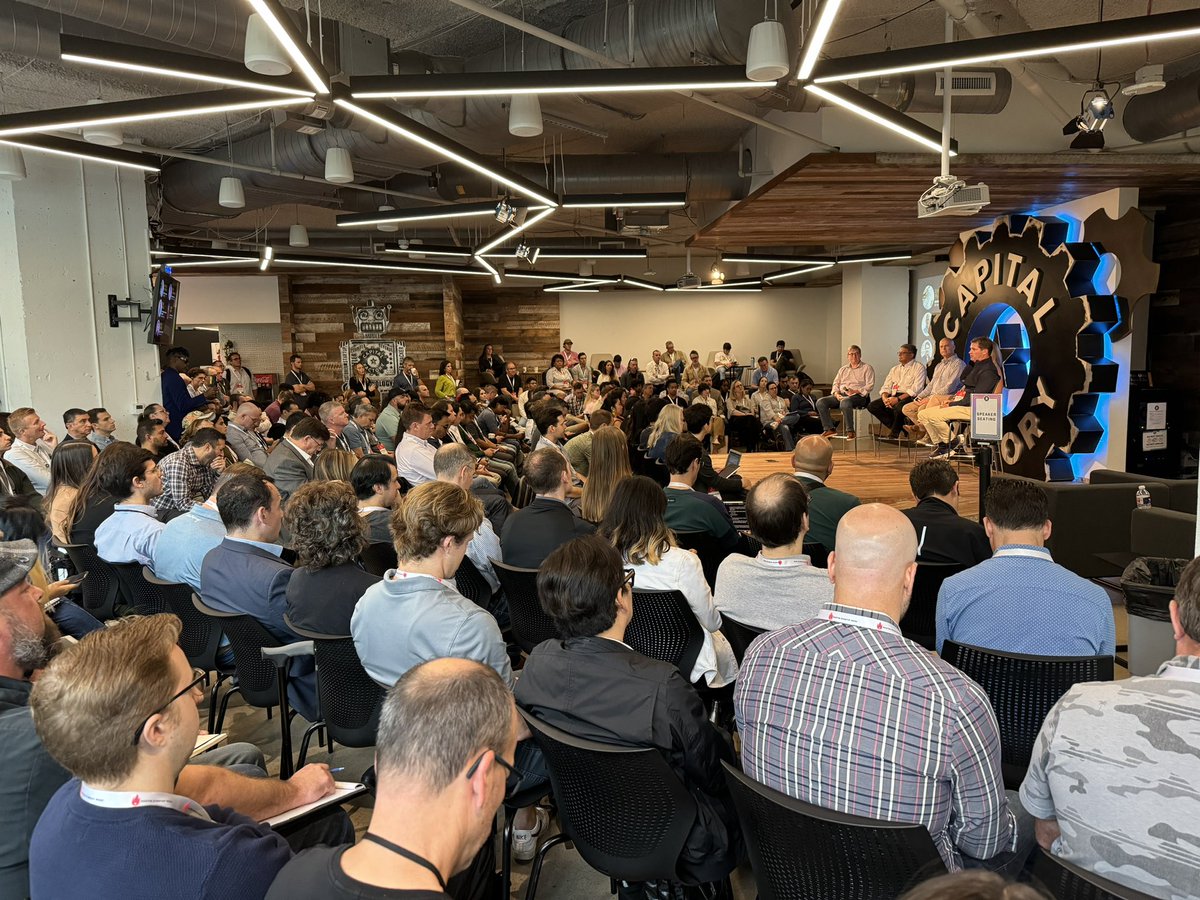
pixel 363 386
pixel 69 466
pixel 447 384
pixel 491 362
pixel 635 525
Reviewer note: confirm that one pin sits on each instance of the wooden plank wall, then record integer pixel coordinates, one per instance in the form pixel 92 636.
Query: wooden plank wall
pixel 452 314
pixel 521 323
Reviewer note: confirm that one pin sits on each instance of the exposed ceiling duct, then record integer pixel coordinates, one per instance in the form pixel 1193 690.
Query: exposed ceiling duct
pixel 1175 108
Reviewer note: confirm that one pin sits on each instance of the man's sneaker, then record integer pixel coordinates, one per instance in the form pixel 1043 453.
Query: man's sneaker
pixel 924 443
pixel 941 451
pixel 524 842
pixel 960 444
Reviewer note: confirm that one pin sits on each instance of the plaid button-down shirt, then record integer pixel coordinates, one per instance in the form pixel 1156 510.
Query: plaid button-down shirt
pixel 859 720
pixel 186 481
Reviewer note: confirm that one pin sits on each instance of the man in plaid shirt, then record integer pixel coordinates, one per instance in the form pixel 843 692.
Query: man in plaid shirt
pixel 843 712
pixel 189 474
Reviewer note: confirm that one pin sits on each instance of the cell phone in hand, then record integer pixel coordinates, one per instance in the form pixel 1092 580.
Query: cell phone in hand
pixel 76 579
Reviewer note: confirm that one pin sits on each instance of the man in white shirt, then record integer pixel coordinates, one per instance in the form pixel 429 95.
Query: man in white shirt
pixel 414 453
pixel 32 445
pixel 238 380
pixel 723 360
pixel 851 390
pixel 904 381
pixel 657 372
pixel 131 533
pixel 947 379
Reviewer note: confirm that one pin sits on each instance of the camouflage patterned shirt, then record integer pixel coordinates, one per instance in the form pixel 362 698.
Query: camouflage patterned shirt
pixel 1118 765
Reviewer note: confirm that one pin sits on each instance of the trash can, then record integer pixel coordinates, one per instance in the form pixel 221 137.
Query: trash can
pixel 1149 584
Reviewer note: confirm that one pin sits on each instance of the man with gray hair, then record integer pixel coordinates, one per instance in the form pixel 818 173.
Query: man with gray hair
pixel 455 463
pixel 333 416
pixel 447 731
pixel 1113 778
pixel 926 745
pixel 243 437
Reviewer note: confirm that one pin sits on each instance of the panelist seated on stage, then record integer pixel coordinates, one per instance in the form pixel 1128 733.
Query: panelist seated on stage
pixel 943 536
pixel 981 377
pixel 904 381
pixel 851 390
pixel 939 390
pixel 1020 600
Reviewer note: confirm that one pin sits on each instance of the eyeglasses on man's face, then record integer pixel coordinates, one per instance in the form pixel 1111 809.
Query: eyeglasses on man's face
pixel 198 676
pixel 501 761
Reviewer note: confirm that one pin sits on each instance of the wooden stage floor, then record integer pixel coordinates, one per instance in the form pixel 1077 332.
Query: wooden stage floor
pixel 873 479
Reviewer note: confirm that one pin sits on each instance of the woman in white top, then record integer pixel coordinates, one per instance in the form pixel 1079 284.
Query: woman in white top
pixel 635 525
pixel 558 379
pixel 593 400
pixel 608 372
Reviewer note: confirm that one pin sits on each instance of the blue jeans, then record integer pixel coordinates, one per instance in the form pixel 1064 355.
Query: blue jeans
pixel 825 404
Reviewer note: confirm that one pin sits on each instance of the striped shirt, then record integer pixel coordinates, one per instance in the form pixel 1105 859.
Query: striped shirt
pixel 843 712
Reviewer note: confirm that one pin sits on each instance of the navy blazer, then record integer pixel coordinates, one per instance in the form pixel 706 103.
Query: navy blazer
pixel 236 577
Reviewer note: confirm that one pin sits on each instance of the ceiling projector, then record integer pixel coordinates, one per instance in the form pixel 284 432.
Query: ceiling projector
pixel 951 196
pixel 688 282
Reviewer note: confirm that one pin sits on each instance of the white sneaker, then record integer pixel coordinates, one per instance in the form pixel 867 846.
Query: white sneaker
pixel 524 842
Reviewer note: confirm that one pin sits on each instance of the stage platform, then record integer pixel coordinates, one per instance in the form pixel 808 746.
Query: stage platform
pixel 881 478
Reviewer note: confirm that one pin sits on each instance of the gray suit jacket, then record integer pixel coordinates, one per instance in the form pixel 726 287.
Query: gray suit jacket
pixel 247 446
pixel 288 468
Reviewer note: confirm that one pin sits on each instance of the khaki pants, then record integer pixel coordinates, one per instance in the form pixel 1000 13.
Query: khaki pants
pixel 910 410
pixel 937 421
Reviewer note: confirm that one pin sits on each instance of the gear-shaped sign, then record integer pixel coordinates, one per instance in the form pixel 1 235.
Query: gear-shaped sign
pixel 1024 271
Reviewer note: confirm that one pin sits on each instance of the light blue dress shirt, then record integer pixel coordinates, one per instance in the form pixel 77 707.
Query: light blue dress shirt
pixel 183 543
pixel 129 535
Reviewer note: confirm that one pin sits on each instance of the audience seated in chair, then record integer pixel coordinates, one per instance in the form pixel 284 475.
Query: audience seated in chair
pixel 812 463
pixel 793 714
pixel 635 526
pixel 377 488
pixel 130 534
pixel 190 473
pixel 454 464
pixel 1112 779
pixel 118 711
pixel 291 461
pixel 590 684
pixel 531 533
pixel 780 586
pixel 1020 600
pixel 328 534
pixel 943 536
pixel 446 734
pixel 689 509
pixel 609 467
pixel 698 419
pixel 246 575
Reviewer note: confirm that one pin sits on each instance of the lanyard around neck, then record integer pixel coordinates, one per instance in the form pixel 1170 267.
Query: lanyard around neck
pixel 871 624
pixel 407 854
pixel 137 799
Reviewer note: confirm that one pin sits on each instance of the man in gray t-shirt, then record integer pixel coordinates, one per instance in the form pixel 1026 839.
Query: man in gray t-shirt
pixel 1115 775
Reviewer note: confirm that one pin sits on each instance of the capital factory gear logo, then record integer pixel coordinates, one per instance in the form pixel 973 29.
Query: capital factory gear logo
pixel 1035 294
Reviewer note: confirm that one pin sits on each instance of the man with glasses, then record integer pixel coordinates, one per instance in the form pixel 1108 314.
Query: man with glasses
pixel 644 703
pixel 904 382
pixel 851 390
pixel 119 712
pixel 772 410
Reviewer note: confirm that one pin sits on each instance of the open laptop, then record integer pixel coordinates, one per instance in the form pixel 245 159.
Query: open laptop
pixel 731 464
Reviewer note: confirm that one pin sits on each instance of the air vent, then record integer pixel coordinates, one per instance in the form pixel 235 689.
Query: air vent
pixel 968 84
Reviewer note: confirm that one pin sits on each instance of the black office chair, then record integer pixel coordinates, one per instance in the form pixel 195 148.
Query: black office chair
pixel 469 582
pixel 657 470
pixel 200 638
pixel 664 627
pixel 378 558
pixel 739 635
pixel 817 553
pixel 349 698
pixel 1066 881
pixel 529 622
pixel 625 810
pixel 525 494
pixel 920 622
pixel 708 548
pixel 262 675
pixel 1022 690
pixel 100 592
pixel 803 852
pixel 145 598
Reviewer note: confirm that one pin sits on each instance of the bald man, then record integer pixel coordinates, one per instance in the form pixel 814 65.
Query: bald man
pixel 812 461
pixel 844 712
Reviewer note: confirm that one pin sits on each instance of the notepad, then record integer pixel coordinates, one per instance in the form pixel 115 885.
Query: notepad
pixel 207 742
pixel 342 791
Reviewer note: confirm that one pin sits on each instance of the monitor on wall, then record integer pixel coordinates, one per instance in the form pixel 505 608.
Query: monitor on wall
pixel 165 298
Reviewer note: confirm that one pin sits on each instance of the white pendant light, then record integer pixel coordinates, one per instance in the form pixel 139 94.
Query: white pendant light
pixel 524 115
pixel 742 270
pixel 585 268
pixel 263 54
pixel 297 236
pixel 339 168
pixel 387 226
pixel 232 196
pixel 12 163
pixel 104 135
pixel 767 51
pixel 218 245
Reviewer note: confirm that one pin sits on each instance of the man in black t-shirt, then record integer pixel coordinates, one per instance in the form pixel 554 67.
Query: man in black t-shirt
pixel 446 734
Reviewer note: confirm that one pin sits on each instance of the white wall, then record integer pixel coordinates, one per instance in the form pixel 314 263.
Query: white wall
pixel 71 234
pixel 875 305
pixel 227 299
pixel 633 323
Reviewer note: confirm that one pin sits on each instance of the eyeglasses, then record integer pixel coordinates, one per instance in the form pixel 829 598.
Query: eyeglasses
pixel 504 764
pixel 199 674
pixel 628 579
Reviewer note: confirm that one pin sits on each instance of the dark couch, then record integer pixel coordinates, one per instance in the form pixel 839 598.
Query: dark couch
pixel 1162 532
pixel 1181 492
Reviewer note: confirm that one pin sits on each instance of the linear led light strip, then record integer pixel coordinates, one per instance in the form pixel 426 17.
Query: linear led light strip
pixel 276 20
pixel 289 259
pixel 454 252
pixel 268 254
pixel 881 257
pixel 503 236
pixel 631 201
pixel 190 262
pixel 419 214
pixel 637 282
pixel 1045 42
pixel 816 38
pixel 170 107
pixel 175 65
pixel 736 284
pixel 794 273
pixel 445 147
pixel 861 109
pixel 766 259
pixel 546 276
pixel 487 265
pixel 574 253
pixel 64 147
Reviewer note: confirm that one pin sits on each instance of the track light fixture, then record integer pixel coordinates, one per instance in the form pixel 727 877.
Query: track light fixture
pixel 526 252
pixel 1095 110
pixel 505 212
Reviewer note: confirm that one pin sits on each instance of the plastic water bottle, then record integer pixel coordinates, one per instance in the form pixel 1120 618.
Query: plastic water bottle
pixel 1143 497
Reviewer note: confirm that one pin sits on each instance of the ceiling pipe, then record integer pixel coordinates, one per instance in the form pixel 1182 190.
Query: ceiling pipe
pixel 610 63
pixel 973 25
pixel 1175 108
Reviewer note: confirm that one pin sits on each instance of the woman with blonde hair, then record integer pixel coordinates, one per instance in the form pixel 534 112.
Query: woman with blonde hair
pixel 742 418
pixel 334 465
pixel 608 468
pixel 594 400
pixel 635 525
pixel 668 424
